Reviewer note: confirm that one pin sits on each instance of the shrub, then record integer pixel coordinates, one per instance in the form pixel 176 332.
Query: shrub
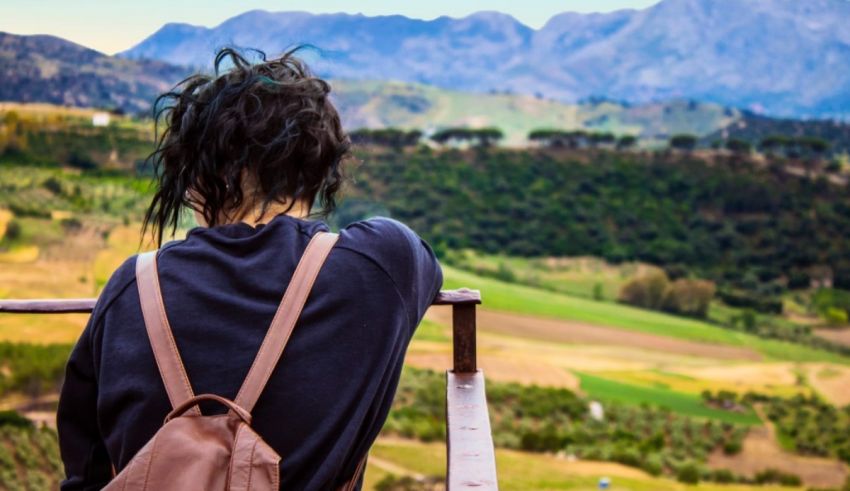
pixel 732 447
pixel 597 291
pixel 835 316
pixel 13 231
pixel 688 473
pixel 13 419
pixel 750 300
pixel 827 302
pixel 53 185
pixel 647 290
pixel 774 476
pixel 504 273
pixel 653 464
pixel 723 476
pixel 653 290
pixel 689 297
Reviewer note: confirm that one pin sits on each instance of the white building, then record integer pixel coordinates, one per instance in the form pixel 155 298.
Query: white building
pixel 100 119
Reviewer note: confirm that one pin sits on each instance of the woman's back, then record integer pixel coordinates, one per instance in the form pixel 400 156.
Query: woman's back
pixel 333 387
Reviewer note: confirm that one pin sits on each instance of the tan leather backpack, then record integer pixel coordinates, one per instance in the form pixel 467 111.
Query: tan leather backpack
pixel 221 452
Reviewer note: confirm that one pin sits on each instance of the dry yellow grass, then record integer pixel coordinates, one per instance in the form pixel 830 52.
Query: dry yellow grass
pixel 122 243
pixel 45 110
pixel 77 267
pixel 20 255
pixel 525 471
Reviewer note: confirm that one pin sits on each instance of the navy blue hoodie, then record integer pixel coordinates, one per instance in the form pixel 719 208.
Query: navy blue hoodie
pixel 330 394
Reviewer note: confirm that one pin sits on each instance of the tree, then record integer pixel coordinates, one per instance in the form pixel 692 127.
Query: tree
pixel 595 139
pixel 773 143
pixel 626 142
pixel 488 136
pixel 739 146
pixel 550 137
pixel 387 137
pixel 689 297
pixel 484 137
pixel 683 141
pixel 813 147
pixel 647 290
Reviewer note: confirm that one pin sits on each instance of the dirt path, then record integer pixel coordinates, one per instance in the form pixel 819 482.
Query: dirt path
pixel 831 381
pixel 761 451
pixel 392 468
pixel 545 329
pixel 839 336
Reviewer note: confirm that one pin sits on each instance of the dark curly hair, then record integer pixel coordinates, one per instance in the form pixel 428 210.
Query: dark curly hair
pixel 268 122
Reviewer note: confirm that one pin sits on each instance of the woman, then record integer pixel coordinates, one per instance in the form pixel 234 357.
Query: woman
pixel 250 151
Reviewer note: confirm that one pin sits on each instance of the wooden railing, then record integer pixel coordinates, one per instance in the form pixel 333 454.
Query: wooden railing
pixel 471 461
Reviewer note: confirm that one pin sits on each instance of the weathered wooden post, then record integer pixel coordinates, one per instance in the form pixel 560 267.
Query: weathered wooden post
pixel 471 460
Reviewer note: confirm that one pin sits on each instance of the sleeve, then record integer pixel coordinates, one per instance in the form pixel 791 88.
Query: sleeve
pixel 407 259
pixel 83 451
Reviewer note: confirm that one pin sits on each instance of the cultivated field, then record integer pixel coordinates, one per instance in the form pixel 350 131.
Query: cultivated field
pixel 522 471
pixel 762 451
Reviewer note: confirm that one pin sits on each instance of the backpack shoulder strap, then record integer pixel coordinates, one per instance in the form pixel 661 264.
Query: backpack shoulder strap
pixel 159 332
pixel 351 484
pixel 285 318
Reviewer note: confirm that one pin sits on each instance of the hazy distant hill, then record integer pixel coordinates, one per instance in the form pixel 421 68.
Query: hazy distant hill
pixel 409 105
pixel 51 69
pixel 787 57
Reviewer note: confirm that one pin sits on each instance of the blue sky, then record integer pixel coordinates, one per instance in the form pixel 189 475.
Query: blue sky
pixel 115 25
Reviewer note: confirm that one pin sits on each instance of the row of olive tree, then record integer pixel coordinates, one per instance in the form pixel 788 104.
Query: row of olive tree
pixel 554 138
pixel 397 138
pixel 775 145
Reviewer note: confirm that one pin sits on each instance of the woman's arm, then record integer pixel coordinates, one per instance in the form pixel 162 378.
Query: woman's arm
pixel 87 464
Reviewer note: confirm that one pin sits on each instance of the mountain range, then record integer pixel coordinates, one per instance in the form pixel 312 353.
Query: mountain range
pixel 54 70
pixel 779 57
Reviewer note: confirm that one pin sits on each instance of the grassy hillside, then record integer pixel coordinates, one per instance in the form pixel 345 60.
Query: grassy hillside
pixel 527 300
pixel 416 106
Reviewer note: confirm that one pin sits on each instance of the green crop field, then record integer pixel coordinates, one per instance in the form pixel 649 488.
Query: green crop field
pixel 678 402
pixel 510 297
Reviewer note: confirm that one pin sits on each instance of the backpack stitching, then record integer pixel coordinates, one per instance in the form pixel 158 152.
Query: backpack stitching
pixel 127 469
pixel 150 461
pixel 251 465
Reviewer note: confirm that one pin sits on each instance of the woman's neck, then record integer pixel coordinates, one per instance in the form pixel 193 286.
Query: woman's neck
pixel 255 215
